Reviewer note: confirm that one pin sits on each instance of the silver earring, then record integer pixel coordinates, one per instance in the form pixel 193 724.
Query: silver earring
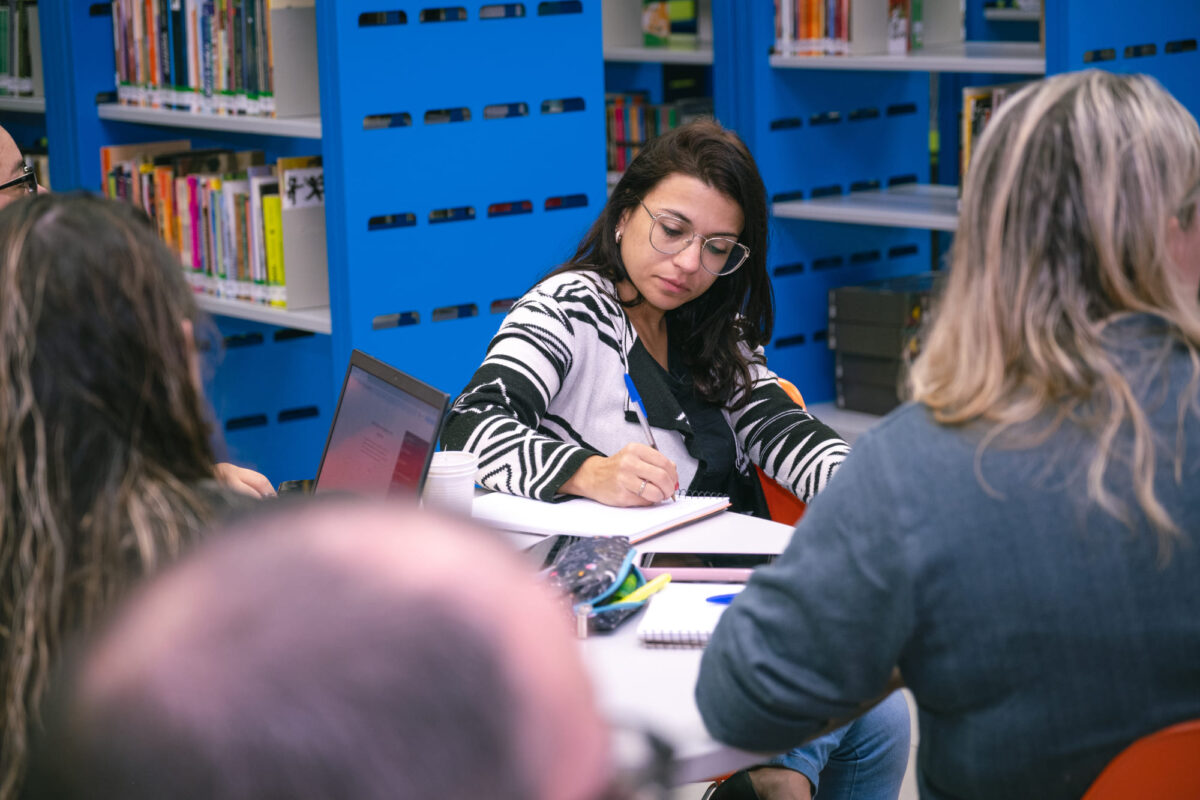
pixel 618 235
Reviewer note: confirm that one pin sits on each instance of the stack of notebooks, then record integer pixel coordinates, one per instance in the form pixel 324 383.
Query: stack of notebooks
pixel 681 615
pixel 582 517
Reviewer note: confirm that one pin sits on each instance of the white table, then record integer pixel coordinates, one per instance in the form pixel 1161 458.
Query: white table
pixel 652 687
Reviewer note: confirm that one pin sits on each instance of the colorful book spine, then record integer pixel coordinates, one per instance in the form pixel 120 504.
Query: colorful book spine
pixel 197 241
pixel 272 210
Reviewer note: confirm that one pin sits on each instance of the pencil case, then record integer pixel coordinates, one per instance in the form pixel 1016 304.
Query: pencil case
pixel 597 572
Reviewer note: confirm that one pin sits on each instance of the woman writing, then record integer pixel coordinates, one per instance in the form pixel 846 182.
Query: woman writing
pixel 107 468
pixel 670 287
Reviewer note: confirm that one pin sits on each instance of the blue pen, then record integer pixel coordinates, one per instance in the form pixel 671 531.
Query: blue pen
pixel 640 409
pixel 722 599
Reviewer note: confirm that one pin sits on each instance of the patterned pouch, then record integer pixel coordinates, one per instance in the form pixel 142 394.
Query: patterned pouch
pixel 598 571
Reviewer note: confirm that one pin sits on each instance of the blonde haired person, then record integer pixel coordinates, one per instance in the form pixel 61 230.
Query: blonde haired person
pixel 106 466
pixel 1020 540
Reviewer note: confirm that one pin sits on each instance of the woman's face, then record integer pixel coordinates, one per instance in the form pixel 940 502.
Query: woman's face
pixel 668 281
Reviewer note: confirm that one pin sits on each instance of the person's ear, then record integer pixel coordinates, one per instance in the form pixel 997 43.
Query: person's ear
pixel 624 220
pixel 193 356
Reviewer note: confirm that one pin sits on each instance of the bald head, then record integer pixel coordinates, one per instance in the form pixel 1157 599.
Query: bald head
pixel 339 651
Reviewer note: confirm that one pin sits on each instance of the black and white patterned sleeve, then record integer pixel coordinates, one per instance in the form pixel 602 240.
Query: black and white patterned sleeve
pixel 789 444
pixel 497 415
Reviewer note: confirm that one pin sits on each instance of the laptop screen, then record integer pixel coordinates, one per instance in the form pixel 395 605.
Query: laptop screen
pixel 384 432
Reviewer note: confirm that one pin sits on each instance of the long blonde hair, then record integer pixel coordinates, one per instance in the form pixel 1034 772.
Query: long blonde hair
pixel 103 434
pixel 1063 230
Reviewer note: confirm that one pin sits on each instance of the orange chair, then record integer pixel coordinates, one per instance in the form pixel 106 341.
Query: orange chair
pixel 782 505
pixel 1164 765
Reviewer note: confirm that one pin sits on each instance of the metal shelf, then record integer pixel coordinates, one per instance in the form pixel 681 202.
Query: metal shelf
pixel 316 320
pixel 1024 58
pixel 298 127
pixel 1012 14
pixel 27 105
pixel 703 54
pixel 911 205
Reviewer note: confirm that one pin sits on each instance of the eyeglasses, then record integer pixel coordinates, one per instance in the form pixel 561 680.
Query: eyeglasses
pixel 719 255
pixel 27 177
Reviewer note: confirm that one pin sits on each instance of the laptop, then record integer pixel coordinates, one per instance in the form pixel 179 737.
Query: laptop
pixel 384 432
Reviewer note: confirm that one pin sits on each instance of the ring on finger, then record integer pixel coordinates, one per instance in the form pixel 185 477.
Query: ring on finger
pixel 641 488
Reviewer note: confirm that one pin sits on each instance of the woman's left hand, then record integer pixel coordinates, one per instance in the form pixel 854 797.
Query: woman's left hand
pixel 245 481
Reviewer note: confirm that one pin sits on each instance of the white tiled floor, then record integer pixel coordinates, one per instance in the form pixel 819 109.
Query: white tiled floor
pixel 908 791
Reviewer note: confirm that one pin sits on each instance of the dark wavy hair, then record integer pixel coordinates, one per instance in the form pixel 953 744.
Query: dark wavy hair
pixel 739 309
pixel 103 432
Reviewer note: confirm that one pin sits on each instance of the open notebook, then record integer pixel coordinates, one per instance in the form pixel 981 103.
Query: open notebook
pixel 583 517
pixel 681 616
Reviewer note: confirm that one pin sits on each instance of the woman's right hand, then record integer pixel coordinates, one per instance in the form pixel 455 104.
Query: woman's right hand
pixel 636 475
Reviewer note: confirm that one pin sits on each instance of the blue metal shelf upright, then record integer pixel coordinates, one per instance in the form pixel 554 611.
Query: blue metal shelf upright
pixel 471 144
pixel 1157 38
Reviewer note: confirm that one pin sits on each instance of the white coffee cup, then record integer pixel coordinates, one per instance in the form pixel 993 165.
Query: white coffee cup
pixel 450 484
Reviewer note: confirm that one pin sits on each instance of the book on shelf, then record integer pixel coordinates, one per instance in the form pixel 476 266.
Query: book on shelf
pixel 304 282
pixel 216 56
pixel 670 23
pixel 222 212
pixel 631 120
pixel 272 211
pixel 979 103
pixel 583 517
pixel 681 615
pixel 863 27
pixel 20 48
pixel 812 27
pixel 260 179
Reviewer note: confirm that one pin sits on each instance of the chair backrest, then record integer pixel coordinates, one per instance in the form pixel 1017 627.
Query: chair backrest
pixel 1164 765
pixel 782 505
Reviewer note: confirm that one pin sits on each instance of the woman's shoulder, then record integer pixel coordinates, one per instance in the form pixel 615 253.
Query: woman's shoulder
pixel 574 284
pixel 579 294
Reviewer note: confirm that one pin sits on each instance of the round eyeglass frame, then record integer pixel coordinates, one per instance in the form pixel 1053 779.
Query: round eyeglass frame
pixel 704 240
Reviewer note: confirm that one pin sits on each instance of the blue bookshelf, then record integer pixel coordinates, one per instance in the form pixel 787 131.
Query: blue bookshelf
pixel 433 226
pixel 489 165
pixel 448 222
pixel 821 134
pixel 826 130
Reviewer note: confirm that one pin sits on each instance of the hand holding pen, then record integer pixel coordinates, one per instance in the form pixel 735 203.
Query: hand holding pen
pixel 644 420
pixel 636 475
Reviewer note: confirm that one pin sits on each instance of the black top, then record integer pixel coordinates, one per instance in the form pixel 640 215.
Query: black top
pixel 712 444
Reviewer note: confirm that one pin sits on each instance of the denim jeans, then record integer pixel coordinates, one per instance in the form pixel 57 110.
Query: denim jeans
pixel 864 760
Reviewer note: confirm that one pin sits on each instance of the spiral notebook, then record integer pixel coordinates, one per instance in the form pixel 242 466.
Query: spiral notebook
pixel 582 517
pixel 681 616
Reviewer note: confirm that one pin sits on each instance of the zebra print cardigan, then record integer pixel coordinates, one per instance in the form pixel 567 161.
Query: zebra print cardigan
pixel 551 393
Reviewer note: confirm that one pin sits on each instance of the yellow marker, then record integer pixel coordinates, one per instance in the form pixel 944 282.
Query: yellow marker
pixel 638 595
